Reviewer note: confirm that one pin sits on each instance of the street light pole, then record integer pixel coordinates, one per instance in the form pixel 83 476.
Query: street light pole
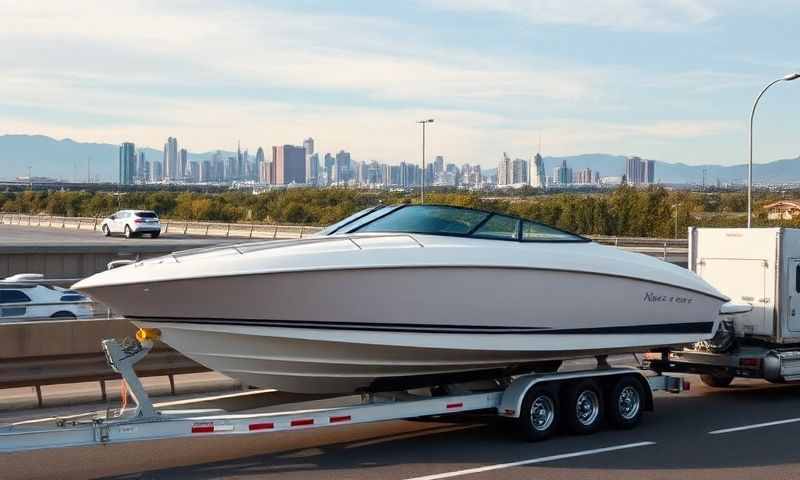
pixel 787 78
pixel 422 183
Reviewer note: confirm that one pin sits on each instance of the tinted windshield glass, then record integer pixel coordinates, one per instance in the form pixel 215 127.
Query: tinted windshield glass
pixel 498 226
pixel 428 219
pixel 348 220
pixel 13 296
pixel 536 231
pixel 146 215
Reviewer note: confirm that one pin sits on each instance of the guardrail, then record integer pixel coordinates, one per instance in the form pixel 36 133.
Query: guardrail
pixel 180 227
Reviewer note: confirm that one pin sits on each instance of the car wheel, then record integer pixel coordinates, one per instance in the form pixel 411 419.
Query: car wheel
pixel 63 314
pixel 155 234
pixel 128 233
pixel 106 231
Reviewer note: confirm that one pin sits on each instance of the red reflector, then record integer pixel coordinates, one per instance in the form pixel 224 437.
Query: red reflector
pixel 509 412
pixel 302 422
pixel 203 428
pixel 686 385
pixel 343 418
pixel 455 405
pixel 750 362
pixel 261 426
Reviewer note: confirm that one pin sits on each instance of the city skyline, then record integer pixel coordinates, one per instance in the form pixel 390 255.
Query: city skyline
pixel 674 79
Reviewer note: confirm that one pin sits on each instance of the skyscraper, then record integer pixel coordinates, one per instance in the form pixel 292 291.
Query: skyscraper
pixel 342 168
pixel 438 165
pixel 170 164
pixel 638 171
pixel 504 172
pixel 289 164
pixel 312 162
pixel 156 171
pixel 183 163
pixel 650 171
pixel 142 168
pixel 127 163
pixel 563 174
pixel 519 171
pixel 537 173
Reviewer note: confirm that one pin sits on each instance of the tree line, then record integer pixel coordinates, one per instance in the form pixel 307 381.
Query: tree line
pixel 625 211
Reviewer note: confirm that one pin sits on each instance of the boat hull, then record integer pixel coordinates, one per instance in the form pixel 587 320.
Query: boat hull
pixel 339 331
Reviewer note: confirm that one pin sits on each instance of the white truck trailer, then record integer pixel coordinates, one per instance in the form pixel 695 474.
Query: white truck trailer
pixel 759 266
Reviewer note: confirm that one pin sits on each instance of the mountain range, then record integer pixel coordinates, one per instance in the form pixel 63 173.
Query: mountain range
pixel 75 161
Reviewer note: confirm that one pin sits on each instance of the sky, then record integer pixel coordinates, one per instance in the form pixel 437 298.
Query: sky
pixel 671 80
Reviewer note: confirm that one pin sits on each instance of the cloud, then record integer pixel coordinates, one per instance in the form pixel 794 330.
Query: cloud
pixel 639 15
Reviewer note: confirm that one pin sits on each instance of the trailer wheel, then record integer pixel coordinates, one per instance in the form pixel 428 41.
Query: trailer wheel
pixel 539 416
pixel 625 401
pixel 584 407
pixel 717 381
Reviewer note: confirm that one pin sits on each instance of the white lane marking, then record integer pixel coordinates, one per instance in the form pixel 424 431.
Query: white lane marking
pixel 755 425
pixel 551 458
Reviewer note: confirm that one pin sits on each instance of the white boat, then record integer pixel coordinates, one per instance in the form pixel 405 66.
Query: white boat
pixel 408 295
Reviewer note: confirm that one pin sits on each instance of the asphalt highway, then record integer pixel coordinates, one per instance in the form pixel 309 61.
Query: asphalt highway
pixel 42 236
pixel 688 436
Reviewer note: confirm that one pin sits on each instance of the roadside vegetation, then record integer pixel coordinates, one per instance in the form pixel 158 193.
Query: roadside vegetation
pixel 624 211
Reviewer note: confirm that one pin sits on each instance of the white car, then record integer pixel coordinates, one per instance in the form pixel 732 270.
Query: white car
pixel 21 299
pixel 132 223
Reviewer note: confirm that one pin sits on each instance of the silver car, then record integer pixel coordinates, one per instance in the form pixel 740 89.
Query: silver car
pixel 132 223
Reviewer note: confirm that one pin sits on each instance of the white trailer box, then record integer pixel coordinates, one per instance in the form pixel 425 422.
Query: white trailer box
pixel 760 266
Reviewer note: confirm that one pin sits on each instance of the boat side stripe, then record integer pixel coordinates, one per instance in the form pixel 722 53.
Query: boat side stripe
pixel 662 328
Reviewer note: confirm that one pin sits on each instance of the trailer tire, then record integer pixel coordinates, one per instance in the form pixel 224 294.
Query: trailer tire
pixel 625 403
pixel 539 416
pixel 584 407
pixel 716 381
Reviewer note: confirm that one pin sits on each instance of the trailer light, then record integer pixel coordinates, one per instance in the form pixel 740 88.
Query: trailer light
pixel 509 412
pixel 455 405
pixel 151 334
pixel 302 422
pixel 262 426
pixel 687 385
pixel 750 362
pixel 203 427
pixel 341 418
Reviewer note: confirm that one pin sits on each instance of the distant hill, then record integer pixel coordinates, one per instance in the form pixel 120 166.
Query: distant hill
pixel 67 159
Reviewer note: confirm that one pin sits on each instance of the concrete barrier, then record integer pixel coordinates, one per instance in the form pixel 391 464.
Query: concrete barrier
pixel 52 352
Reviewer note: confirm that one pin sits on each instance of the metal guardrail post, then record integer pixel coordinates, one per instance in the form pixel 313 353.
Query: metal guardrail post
pixel 251 230
pixel 94 227
pixel 166 227
pixel 665 251
pixel 208 225
pixel 301 230
pixel 228 232
pixel 275 235
pixel 185 227
pixel 79 224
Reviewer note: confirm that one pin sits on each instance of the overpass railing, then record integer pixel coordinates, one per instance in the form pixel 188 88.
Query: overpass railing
pixel 175 227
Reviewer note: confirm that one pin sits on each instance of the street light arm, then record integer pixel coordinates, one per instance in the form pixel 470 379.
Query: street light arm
pixel 787 78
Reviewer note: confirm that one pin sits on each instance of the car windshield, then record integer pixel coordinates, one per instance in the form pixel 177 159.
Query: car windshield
pixel 146 215
pixel 458 221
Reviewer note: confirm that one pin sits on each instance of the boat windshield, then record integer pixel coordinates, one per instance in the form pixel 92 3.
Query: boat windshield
pixel 458 221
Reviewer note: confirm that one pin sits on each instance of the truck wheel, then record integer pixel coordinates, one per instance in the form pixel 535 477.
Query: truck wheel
pixel 538 419
pixel 717 381
pixel 128 233
pixel 583 403
pixel 624 403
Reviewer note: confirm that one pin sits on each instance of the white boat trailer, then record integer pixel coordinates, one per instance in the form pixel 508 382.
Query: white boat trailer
pixel 537 401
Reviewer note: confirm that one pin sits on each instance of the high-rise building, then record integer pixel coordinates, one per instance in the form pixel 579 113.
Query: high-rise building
pixel 288 164
pixel 312 161
pixel 329 165
pixel 142 168
pixel 537 173
pixel 438 165
pixel 650 171
pixel 156 171
pixel 504 171
pixel 635 171
pixel 583 176
pixel 193 172
pixel 205 171
pixel 519 171
pixel 183 163
pixel 563 174
pixel 342 169
pixel 127 163
pixel 170 164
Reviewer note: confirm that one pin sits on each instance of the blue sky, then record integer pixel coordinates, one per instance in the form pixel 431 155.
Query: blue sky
pixel 671 79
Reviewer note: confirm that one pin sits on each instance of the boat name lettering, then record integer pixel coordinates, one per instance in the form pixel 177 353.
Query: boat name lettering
pixel 651 297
